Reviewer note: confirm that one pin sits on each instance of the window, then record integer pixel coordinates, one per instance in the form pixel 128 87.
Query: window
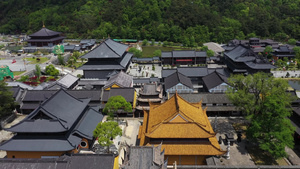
pixel 83 144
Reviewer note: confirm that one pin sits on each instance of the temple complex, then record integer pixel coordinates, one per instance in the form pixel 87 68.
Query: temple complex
pixel 183 129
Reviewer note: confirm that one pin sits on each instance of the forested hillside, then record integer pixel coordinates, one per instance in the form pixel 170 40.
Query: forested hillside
pixel 171 20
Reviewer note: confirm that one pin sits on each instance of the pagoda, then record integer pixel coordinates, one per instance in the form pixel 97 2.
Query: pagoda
pixel 183 129
pixel 45 38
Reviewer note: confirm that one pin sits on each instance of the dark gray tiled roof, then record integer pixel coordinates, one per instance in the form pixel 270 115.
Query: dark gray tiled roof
pixel 95 161
pixel 57 116
pixel 22 85
pixel 113 73
pixel 29 106
pixel 15 90
pixel 241 54
pixel 68 80
pixel 144 157
pixel 126 59
pixel 107 49
pixel 32 98
pixel 149 89
pixel 44 32
pixel 92 82
pixel 69 47
pixel 166 54
pixel 183 54
pixel 101 66
pixel 193 72
pixel 30 163
pixel 146 80
pixel 34 126
pixel 88 41
pixel 121 79
pixel 253 65
pixel 167 72
pixel 127 93
pixel 207 98
pixel 46 40
pixel 76 161
pixel 41 95
pixel 201 54
pixel 37 95
pixel 176 78
pixel 39 144
pixel 66 110
pixel 214 79
pixel 88 123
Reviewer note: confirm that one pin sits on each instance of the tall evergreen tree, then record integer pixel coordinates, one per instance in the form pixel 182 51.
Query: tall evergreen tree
pixel 267 105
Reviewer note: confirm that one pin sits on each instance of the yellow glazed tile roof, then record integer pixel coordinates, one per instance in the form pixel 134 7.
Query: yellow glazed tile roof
pixel 179 130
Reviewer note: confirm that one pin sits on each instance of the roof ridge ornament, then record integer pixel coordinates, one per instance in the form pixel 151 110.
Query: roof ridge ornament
pixel 43 24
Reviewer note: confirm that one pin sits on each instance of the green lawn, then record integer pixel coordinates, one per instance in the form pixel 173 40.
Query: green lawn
pixel 148 50
pixel 34 61
pixel 17 73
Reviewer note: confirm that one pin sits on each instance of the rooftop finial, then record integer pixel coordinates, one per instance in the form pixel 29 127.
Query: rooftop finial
pixel 43 24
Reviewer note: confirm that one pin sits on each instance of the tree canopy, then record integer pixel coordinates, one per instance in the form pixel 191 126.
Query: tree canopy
pixel 116 103
pixel 7 103
pixel 50 70
pixel 37 71
pixel 106 132
pixel 162 20
pixel 267 105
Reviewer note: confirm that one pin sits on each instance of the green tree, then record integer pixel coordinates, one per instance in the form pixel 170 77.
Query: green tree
pixel 165 43
pixel 61 60
pixel 292 41
pixel 267 105
pixel 296 49
pixel 50 70
pixel 157 53
pixel 267 51
pixel 37 71
pixel 115 104
pixel 7 103
pixel 23 78
pixel 210 53
pixel 76 54
pixel 106 132
pixel 204 48
pixel 152 42
pixel 145 42
pixel 137 53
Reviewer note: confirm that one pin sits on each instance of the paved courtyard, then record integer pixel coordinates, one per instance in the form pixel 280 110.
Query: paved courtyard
pixel 145 70
pixel 238 153
pixel 293 73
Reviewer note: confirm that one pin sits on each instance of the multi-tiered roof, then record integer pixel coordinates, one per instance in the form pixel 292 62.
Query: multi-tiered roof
pixel 182 127
pixel 58 124
pixel 108 56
